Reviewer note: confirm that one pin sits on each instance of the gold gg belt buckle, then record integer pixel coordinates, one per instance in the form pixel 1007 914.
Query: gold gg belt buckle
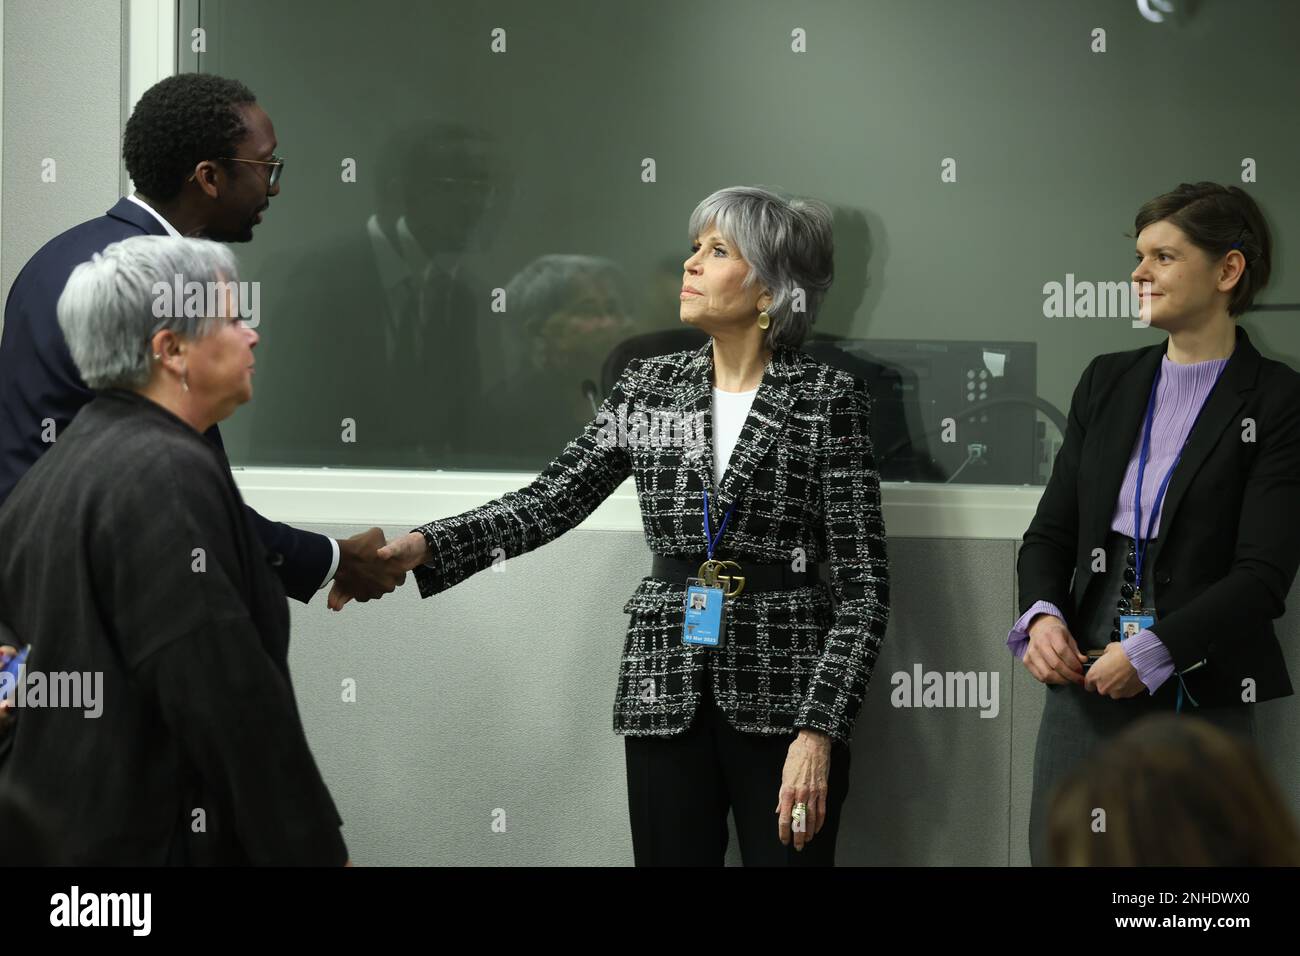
pixel 709 572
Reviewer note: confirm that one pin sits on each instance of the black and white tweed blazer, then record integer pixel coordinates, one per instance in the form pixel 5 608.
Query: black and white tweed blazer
pixel 804 485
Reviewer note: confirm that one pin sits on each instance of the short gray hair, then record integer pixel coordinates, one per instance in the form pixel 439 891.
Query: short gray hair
pixel 106 310
pixel 788 244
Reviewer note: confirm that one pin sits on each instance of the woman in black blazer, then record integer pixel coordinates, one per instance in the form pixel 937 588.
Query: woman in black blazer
pixel 761 721
pixel 1164 544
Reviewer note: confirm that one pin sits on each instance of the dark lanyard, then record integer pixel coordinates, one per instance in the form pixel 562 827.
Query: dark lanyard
pixel 1139 546
pixel 711 540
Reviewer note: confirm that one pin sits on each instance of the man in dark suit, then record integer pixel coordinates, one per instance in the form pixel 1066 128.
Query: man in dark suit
pixel 200 151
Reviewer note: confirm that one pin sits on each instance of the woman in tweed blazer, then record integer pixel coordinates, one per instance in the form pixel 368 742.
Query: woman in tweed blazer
pixel 772 709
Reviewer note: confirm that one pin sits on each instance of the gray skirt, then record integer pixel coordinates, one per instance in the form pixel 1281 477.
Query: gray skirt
pixel 1075 721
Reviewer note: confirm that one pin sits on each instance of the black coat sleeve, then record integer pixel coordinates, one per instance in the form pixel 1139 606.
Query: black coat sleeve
pixel 305 555
pixel 859 568
pixel 1048 552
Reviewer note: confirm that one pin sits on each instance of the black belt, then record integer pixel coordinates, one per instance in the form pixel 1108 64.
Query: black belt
pixel 758 577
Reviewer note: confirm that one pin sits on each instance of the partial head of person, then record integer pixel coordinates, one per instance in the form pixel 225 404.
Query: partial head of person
pixel 1172 790
pixel 758 260
pixel 160 316
pixel 444 179
pixel 572 308
pixel 202 148
pixel 1205 251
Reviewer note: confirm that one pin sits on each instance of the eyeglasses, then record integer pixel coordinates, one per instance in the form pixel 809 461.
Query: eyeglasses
pixel 275 162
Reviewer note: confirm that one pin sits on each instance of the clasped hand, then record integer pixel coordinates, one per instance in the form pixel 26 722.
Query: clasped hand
pixel 369 568
pixel 1053 657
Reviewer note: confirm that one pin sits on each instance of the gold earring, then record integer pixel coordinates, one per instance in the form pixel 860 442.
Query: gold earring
pixel 764 320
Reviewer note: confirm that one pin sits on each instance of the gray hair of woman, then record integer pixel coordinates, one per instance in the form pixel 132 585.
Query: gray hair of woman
pixel 790 249
pixel 115 303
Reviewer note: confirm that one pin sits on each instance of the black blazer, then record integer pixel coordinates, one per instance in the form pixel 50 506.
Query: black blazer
pixel 39 380
pixel 803 482
pixel 1228 543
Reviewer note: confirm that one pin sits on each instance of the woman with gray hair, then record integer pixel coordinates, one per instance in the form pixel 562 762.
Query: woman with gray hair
pixel 748 702
pixel 155 722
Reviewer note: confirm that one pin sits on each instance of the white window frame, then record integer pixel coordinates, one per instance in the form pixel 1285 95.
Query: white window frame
pixel 400 498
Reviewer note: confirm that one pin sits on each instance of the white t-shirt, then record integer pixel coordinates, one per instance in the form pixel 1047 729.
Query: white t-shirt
pixel 730 409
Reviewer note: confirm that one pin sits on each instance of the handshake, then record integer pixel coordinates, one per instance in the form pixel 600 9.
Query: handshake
pixel 369 567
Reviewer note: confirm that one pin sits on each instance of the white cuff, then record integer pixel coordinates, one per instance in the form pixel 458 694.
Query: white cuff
pixel 334 564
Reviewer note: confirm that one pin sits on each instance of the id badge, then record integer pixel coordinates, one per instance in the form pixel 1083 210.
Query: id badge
pixel 704 623
pixel 1130 624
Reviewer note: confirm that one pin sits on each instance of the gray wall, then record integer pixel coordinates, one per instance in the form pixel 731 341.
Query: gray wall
pixel 499 694
pixel 62 100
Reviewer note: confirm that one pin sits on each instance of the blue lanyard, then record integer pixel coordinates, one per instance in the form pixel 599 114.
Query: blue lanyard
pixel 711 540
pixel 1139 545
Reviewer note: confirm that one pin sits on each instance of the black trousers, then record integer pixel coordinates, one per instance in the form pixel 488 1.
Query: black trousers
pixel 679 790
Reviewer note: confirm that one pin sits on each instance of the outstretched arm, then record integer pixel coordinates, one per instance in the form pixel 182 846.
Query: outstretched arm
pixel 445 552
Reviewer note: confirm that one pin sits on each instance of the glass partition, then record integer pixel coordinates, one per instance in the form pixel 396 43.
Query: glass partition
pixel 483 212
